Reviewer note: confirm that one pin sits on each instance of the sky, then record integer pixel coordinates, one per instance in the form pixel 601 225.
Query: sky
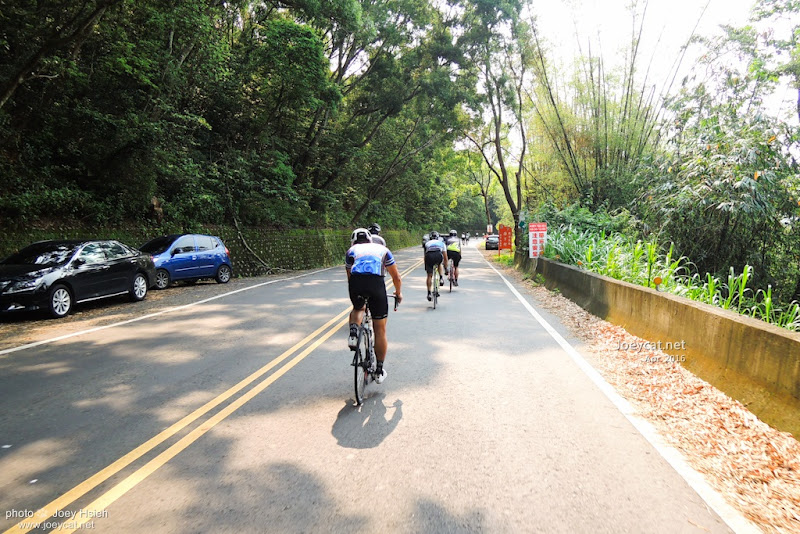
pixel 668 24
pixel 608 23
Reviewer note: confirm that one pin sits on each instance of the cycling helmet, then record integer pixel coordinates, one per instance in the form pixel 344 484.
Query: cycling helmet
pixel 453 233
pixel 360 235
pixel 434 235
pixel 375 228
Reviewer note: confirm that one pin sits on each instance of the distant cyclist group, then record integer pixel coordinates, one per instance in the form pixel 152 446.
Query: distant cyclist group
pixel 438 253
pixel 367 261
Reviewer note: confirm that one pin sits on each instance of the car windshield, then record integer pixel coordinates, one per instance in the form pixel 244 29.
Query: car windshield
pixel 158 245
pixel 44 254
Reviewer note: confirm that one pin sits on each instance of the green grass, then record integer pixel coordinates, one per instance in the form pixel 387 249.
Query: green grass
pixel 641 263
pixel 504 259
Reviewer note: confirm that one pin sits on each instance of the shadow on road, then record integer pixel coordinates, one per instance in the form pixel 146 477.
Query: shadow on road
pixel 367 427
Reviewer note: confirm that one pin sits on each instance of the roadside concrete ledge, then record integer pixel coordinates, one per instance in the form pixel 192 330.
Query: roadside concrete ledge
pixel 754 362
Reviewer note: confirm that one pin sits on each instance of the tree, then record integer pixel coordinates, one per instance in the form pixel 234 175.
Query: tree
pixel 603 124
pixel 497 41
pixel 726 188
pixel 60 28
pixel 481 176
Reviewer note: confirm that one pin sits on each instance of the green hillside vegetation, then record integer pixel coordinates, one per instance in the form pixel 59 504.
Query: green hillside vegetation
pixel 257 118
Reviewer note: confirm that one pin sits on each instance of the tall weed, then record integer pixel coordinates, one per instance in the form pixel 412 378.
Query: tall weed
pixel 641 263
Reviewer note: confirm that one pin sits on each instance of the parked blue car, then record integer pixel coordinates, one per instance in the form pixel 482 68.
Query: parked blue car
pixel 189 257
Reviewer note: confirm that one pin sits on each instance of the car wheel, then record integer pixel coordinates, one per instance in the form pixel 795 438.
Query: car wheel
pixel 162 279
pixel 139 287
pixel 60 301
pixel 223 274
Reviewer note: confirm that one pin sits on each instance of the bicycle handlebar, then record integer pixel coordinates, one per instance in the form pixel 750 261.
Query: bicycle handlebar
pixel 395 301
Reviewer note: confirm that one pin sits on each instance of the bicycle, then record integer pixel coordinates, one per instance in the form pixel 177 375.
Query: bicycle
pixel 364 361
pixel 450 274
pixel 435 281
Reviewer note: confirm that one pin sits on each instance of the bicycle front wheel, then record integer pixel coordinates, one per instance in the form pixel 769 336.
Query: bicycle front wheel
pixel 360 364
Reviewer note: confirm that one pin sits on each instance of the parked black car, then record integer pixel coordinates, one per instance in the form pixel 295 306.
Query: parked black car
pixel 56 275
pixel 492 242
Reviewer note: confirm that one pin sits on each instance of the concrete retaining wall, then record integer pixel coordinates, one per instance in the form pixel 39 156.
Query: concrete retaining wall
pixel 752 361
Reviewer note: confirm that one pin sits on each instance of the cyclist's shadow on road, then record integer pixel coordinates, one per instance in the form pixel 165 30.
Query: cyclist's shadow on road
pixel 367 427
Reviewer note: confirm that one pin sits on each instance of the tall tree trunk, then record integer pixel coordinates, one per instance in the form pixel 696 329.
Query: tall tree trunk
pixel 486 205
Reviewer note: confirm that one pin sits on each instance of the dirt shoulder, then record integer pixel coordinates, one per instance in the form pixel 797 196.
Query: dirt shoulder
pixel 29 327
pixel 754 466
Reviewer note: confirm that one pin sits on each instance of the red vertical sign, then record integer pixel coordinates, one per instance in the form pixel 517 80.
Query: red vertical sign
pixel 537 237
pixel 505 237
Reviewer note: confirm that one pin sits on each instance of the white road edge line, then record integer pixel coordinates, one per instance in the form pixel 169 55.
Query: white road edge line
pixel 150 315
pixel 732 517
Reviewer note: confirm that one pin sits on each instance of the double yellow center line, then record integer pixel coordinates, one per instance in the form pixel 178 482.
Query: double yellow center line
pixel 96 508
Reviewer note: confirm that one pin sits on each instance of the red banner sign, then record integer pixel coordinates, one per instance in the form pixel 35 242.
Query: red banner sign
pixel 537 237
pixel 505 237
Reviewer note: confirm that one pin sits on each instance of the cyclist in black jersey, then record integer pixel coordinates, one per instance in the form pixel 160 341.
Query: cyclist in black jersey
pixel 453 245
pixel 375 231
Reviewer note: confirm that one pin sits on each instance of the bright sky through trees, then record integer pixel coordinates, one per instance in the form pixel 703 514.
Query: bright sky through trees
pixel 608 26
pixel 609 23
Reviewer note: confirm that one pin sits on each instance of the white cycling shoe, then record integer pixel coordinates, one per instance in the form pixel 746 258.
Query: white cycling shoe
pixel 381 377
pixel 352 340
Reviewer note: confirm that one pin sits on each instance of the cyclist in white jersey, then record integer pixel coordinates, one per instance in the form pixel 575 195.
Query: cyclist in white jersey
pixel 435 256
pixel 367 263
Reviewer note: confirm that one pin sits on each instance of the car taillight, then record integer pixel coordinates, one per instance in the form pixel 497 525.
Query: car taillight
pixel 227 252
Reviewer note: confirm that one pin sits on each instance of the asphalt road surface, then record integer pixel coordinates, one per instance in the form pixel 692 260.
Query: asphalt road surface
pixel 237 415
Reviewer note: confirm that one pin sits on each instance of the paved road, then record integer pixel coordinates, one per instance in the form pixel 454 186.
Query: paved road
pixel 237 416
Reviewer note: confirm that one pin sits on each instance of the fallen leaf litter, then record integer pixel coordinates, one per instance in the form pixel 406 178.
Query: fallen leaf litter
pixel 754 466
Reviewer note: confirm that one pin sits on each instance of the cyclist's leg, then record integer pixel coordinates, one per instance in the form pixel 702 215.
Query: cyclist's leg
pixel 429 265
pixel 356 290
pixel 456 261
pixel 381 346
pixel 381 342
pixel 379 309
pixel 356 316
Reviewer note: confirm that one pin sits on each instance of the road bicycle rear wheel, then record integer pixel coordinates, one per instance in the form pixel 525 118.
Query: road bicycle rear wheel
pixel 450 273
pixel 435 287
pixel 360 364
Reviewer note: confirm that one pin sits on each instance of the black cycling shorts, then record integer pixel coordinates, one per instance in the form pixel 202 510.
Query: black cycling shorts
pixel 432 259
pixel 372 287
pixel 455 256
